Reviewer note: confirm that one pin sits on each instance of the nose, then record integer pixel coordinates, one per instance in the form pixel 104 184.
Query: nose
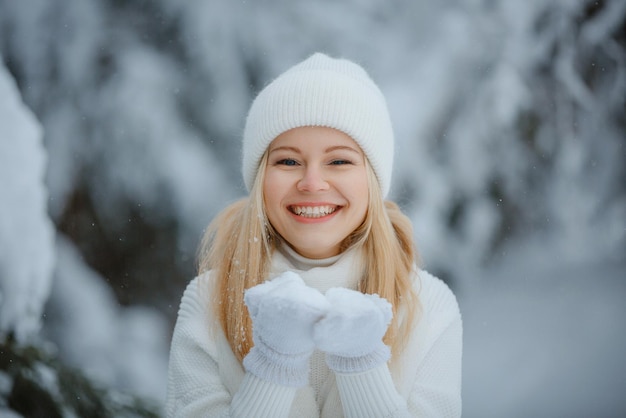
pixel 312 180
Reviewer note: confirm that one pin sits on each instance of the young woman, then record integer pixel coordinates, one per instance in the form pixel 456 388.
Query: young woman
pixel 309 302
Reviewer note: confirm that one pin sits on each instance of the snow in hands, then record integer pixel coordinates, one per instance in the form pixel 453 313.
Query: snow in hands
pixel 339 312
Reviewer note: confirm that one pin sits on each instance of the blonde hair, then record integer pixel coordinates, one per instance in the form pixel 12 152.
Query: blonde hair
pixel 238 245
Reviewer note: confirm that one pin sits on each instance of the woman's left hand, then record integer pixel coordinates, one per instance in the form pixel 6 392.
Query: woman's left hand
pixel 351 333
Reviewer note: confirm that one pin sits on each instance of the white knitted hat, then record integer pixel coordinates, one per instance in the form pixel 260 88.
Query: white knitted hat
pixel 321 91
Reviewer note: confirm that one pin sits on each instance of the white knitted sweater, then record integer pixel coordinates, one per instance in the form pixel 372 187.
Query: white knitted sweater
pixel 206 380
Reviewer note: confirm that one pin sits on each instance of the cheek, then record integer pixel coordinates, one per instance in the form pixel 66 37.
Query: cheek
pixel 359 189
pixel 269 200
pixel 363 205
pixel 272 194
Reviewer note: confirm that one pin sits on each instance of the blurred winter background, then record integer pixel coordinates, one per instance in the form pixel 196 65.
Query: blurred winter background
pixel 120 125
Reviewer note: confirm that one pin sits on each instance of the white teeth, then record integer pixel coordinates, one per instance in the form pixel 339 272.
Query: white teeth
pixel 313 211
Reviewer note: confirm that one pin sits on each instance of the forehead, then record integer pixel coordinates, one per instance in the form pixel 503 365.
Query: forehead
pixel 314 137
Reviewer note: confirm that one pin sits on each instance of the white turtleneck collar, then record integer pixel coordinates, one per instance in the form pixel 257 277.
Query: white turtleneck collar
pixel 303 263
pixel 342 270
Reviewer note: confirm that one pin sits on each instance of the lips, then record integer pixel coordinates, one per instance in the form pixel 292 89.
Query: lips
pixel 313 211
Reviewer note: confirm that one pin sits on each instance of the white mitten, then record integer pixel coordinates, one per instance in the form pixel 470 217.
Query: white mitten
pixel 352 331
pixel 283 312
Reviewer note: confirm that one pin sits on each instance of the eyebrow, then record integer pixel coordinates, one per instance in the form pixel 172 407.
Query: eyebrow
pixel 342 147
pixel 285 148
pixel 327 150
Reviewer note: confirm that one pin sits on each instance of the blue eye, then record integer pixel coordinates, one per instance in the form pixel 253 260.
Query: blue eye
pixel 287 161
pixel 340 162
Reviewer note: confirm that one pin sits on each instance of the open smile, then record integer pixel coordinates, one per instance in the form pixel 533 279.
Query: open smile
pixel 313 211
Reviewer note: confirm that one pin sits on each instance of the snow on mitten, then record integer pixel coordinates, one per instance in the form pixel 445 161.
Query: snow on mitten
pixel 352 332
pixel 283 312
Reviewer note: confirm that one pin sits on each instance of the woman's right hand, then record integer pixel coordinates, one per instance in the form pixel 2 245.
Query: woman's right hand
pixel 283 311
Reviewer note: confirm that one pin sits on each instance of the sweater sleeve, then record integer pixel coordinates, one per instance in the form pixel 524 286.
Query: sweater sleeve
pixel 195 387
pixel 370 394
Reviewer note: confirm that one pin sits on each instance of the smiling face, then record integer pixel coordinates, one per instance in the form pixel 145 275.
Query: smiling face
pixel 315 189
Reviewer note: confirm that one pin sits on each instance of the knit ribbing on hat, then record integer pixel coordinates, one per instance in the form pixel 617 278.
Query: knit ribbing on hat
pixel 322 91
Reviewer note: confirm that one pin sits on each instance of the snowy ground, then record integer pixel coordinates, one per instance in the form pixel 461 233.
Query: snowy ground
pixel 546 340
